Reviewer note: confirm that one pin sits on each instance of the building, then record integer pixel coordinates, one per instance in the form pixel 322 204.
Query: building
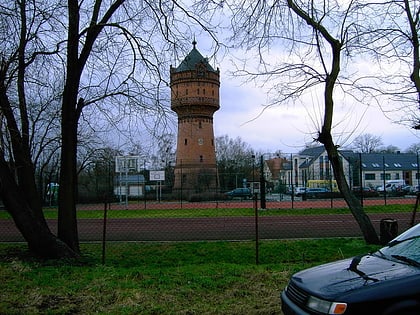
pixel 195 98
pixel 360 169
pixel 376 168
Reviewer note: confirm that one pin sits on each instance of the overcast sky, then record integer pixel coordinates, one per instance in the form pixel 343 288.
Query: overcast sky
pixel 290 126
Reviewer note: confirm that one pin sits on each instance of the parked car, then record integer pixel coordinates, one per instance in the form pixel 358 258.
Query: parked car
pixel 407 189
pixel 299 191
pixel 313 193
pixel 366 191
pixel 386 282
pixel 392 186
pixel 239 192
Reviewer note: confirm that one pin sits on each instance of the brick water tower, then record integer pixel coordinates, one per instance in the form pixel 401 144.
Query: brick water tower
pixel 195 98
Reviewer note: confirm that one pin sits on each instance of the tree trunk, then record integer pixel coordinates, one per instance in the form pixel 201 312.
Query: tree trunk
pixel 353 203
pixel 325 138
pixel 33 228
pixel 70 113
pixel 67 194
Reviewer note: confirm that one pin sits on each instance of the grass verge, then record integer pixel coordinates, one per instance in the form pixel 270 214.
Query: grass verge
pixel 51 213
pixel 163 278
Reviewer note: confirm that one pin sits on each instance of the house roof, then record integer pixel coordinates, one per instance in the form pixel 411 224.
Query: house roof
pixel 311 154
pixel 313 151
pixel 370 161
pixel 391 161
pixel 192 59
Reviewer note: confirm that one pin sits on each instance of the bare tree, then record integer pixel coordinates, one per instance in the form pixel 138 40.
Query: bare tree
pixel 23 108
pixel 367 143
pixel 139 34
pixel 414 148
pixel 102 58
pixel 392 39
pixel 389 149
pixel 320 39
pixel 235 161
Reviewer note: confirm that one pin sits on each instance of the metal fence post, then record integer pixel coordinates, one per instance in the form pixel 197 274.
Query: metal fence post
pixel 262 183
pixel 257 238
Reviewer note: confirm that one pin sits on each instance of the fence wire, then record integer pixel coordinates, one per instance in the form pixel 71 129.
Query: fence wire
pixel 133 206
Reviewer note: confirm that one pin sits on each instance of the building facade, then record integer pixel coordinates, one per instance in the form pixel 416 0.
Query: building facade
pixel 195 98
pixel 360 169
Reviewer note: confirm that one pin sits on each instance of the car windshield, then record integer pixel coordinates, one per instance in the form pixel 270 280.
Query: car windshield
pixel 404 248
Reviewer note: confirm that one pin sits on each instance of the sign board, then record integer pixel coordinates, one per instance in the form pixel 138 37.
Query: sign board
pixel 255 187
pixel 157 175
pixel 125 164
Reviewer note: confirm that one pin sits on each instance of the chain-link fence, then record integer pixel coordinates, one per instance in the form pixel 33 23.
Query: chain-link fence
pixel 271 197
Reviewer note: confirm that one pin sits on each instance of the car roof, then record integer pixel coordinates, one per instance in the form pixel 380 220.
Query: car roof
pixel 412 232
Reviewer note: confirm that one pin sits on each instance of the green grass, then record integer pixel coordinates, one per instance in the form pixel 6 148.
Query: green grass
pixel 51 213
pixel 163 278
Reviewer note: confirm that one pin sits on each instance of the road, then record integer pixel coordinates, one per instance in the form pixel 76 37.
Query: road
pixel 219 228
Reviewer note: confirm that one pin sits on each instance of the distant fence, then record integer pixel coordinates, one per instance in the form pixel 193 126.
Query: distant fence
pixel 219 220
pixel 151 211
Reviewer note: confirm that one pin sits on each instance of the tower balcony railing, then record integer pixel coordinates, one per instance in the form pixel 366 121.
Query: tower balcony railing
pixel 187 101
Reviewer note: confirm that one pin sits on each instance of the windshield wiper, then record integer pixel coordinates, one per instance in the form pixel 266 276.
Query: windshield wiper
pixel 407 260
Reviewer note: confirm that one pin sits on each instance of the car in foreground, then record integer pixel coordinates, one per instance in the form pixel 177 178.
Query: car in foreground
pixel 239 193
pixel 386 282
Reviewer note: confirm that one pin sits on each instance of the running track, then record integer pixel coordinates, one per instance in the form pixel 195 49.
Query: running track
pixel 220 228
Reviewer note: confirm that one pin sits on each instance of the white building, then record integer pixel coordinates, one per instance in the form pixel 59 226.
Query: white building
pixel 360 169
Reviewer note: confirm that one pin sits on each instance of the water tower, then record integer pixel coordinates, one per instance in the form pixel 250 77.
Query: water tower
pixel 195 98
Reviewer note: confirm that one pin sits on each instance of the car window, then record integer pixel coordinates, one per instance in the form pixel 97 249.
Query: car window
pixel 408 249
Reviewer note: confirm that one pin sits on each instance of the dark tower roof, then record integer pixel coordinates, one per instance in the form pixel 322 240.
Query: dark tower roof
pixel 192 59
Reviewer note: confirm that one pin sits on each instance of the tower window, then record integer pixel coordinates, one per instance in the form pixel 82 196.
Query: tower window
pixel 185 141
pixel 200 125
pixel 201 158
pixel 212 93
pixel 204 91
pixel 198 91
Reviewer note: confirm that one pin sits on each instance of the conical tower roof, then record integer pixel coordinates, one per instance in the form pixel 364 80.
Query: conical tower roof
pixel 192 59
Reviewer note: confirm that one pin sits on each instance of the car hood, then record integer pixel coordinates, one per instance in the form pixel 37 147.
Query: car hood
pixel 334 279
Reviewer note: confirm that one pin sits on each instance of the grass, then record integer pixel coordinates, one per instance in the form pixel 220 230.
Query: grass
pixel 51 213
pixel 163 278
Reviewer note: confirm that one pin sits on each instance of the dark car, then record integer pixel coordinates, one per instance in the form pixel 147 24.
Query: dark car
pixel 240 193
pixel 299 191
pixel 365 192
pixel 386 282
pixel 317 193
